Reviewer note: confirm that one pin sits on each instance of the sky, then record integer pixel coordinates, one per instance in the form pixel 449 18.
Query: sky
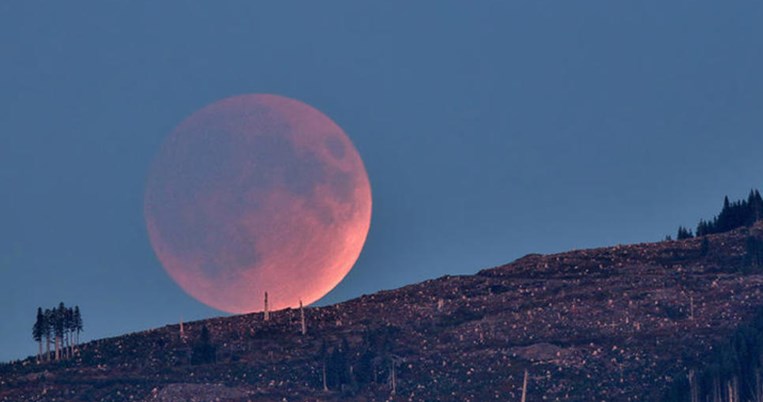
pixel 489 130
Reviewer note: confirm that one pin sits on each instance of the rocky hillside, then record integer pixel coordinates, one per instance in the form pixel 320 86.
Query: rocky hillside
pixel 612 324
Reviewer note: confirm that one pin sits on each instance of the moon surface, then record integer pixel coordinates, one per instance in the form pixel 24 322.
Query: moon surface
pixel 253 194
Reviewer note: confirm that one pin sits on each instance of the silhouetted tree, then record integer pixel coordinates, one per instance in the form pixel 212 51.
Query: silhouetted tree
pixel 374 361
pixel 731 372
pixel 704 247
pixel 364 369
pixel 703 228
pixel 48 314
pixel 203 351
pixel 338 367
pixel 734 215
pixel 754 252
pixel 78 327
pixel 68 329
pixel 58 327
pixel 38 331
pixel 756 205
pixel 684 233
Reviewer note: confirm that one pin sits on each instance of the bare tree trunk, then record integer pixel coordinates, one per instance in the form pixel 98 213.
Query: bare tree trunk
pixel 394 379
pixel 524 388
pixel 717 397
pixel 693 386
pixel 39 353
pixel 302 318
pixel 58 348
pixel 47 347
pixel 691 307
pixel 267 312
pixel 325 383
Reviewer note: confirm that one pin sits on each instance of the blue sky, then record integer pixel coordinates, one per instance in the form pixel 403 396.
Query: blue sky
pixel 489 130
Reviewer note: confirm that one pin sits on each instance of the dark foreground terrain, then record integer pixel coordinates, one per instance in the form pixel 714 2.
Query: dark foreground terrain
pixel 623 323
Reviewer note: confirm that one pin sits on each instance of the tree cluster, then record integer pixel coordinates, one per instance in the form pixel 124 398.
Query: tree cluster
pixel 734 215
pixel 58 326
pixel 734 372
pixel 754 252
pixel 204 351
pixel 684 233
pixel 347 369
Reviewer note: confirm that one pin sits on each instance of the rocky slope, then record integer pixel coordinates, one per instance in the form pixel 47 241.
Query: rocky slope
pixel 611 324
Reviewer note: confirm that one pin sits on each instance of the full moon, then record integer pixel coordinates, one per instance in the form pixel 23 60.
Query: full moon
pixel 253 194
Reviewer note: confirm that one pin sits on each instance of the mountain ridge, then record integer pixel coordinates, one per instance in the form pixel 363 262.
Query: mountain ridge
pixel 614 323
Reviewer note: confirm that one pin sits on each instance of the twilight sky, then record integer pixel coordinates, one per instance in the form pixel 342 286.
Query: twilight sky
pixel 488 132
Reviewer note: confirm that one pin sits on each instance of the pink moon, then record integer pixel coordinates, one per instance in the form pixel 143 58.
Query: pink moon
pixel 253 194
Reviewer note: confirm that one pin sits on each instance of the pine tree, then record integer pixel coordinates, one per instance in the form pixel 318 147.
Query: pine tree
pixel 48 314
pixel 346 367
pixel 684 233
pixel 754 255
pixel 204 351
pixel 68 323
pixel 703 228
pixel 704 247
pixel 38 331
pixel 756 206
pixel 78 328
pixel 72 327
pixel 58 327
pixel 338 366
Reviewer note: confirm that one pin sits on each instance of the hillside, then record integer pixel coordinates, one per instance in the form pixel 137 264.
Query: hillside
pixel 620 323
